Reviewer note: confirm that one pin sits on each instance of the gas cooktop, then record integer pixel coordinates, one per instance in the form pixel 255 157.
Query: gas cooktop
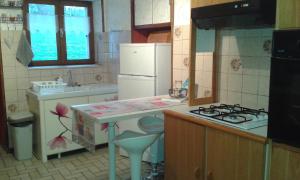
pixel 233 115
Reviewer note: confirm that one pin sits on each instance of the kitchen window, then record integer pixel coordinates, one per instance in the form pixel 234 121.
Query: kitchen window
pixel 60 33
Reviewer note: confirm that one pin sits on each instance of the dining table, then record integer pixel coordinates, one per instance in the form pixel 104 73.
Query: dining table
pixel 108 114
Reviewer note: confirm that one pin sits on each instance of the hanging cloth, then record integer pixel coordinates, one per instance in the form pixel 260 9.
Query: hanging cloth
pixel 24 51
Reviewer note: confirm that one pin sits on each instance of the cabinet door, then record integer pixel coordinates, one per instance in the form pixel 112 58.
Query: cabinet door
pixel 142 12
pixel 101 136
pixel 230 157
pixel 285 163
pixel 53 127
pixel 184 150
pixel 161 11
pixel 288 14
pixel 201 3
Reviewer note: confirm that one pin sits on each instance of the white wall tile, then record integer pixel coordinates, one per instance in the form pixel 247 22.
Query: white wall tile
pixel 11 96
pixel 177 47
pixel 222 81
pixel 234 82
pixel 249 100
pixel 10 84
pixel 263 102
pixel 250 65
pixel 10 73
pixel 234 97
pixel 250 84
pixel 178 61
pixel 264 85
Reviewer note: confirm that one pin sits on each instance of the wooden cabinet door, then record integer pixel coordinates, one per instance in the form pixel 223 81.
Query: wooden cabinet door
pixel 285 163
pixel 142 12
pixel 201 3
pixel 161 11
pixel 184 150
pixel 288 14
pixel 53 127
pixel 230 157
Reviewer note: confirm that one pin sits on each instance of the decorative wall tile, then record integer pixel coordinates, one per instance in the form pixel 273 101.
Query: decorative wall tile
pixel 235 65
pixel 177 33
pixel 248 84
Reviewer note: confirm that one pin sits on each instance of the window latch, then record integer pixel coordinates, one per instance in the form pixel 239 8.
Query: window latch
pixel 61 32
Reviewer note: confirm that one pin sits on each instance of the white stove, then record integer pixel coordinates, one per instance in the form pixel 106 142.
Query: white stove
pixel 233 115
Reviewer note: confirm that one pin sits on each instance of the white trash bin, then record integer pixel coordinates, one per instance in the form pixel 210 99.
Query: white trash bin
pixel 21 131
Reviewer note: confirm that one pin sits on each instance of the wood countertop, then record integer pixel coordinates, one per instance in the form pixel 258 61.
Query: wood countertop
pixel 249 134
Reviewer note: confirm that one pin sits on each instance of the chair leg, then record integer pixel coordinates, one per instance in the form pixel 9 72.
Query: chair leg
pixel 135 162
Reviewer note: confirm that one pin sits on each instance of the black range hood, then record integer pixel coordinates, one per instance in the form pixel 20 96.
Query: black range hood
pixel 237 14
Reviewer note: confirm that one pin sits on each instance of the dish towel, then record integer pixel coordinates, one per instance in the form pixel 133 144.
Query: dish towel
pixel 24 51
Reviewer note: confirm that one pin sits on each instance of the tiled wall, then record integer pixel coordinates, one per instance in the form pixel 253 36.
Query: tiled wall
pixel 181 40
pixel 203 74
pixel 17 78
pixel 243 73
pixel 243 60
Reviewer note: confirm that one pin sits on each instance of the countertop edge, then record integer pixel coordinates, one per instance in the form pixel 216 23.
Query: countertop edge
pixel 217 126
pixel 111 90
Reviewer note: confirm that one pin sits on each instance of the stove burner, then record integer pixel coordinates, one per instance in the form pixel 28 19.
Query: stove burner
pixel 234 118
pixel 234 114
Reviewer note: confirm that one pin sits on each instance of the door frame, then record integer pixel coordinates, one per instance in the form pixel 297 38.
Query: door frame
pixel 3 117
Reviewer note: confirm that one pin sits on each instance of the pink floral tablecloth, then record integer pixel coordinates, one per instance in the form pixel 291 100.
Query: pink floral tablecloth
pixel 86 116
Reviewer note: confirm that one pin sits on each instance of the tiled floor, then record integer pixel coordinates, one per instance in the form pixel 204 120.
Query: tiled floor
pixel 84 165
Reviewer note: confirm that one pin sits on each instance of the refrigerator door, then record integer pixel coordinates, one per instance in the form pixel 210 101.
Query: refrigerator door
pixel 137 59
pixel 135 86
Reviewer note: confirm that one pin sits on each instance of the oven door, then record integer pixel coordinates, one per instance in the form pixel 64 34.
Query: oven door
pixel 284 102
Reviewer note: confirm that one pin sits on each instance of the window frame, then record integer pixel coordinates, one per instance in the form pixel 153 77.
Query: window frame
pixel 61 41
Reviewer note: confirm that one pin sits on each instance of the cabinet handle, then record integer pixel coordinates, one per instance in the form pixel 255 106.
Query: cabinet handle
pixel 210 175
pixel 197 172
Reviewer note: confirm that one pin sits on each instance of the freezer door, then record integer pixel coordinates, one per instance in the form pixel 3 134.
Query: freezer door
pixel 137 59
pixel 135 86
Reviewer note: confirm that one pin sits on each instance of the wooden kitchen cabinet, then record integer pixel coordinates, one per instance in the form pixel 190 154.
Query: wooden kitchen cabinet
pixel 184 150
pixel 201 3
pixel 288 14
pixel 285 163
pixel 197 149
pixel 148 12
pixel 230 157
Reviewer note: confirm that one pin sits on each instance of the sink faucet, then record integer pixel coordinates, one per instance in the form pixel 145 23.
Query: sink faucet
pixel 70 79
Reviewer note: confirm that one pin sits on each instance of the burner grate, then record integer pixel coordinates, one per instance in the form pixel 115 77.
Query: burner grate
pixel 234 114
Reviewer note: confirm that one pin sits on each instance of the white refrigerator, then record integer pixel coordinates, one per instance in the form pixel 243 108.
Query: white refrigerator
pixel 145 70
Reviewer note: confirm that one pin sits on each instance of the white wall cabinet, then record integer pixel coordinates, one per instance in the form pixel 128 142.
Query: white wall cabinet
pixel 151 12
pixel 47 126
pixel 161 11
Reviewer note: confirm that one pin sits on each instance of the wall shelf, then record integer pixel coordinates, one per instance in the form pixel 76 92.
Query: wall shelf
pixel 11 7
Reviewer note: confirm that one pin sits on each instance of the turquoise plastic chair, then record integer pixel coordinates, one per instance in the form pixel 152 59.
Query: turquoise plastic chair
pixel 135 144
